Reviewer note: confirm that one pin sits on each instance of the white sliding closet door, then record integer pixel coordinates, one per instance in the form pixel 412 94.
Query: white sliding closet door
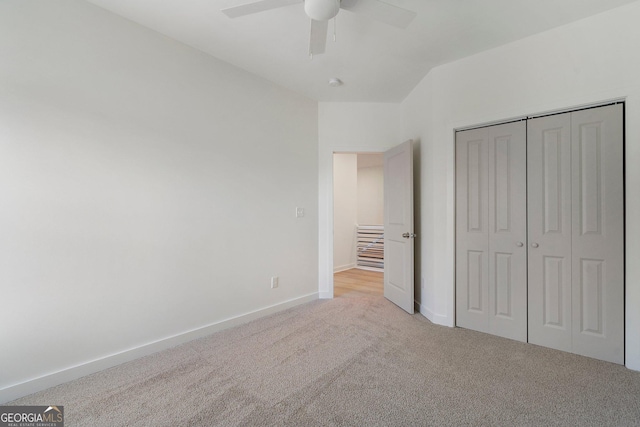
pixel 491 260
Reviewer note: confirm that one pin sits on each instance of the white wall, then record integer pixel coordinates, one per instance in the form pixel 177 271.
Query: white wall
pixel 345 210
pixel 588 61
pixel 370 189
pixel 347 127
pixel 147 190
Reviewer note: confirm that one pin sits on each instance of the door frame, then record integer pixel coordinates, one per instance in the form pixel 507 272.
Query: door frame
pixel 326 291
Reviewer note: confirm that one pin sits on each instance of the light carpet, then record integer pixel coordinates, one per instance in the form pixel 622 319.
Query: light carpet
pixel 354 361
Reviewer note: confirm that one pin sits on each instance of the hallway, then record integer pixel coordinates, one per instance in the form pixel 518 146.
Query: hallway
pixel 356 282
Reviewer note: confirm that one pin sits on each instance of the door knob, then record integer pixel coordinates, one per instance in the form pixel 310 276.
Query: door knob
pixel 408 235
pixel 534 245
pixel 519 244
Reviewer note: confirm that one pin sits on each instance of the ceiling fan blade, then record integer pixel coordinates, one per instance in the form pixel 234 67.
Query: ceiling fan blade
pixel 381 11
pixel 318 41
pixel 255 7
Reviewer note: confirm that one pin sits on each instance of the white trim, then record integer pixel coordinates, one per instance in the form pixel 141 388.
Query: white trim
pixel 73 372
pixel 344 267
pixel 438 319
pixel 376 269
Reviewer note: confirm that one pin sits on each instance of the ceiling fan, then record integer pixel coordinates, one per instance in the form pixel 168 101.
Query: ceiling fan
pixel 321 11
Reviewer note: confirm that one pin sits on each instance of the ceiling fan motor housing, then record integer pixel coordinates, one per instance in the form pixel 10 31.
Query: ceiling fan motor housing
pixel 321 10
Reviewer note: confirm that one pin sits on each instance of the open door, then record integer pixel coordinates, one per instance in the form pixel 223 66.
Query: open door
pixel 398 226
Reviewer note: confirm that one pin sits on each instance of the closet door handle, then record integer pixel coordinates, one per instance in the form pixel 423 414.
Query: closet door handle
pixel 534 245
pixel 519 244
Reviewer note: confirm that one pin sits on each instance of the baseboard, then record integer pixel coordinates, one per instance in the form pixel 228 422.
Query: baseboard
pixel 326 295
pixel 344 267
pixel 34 385
pixel 438 319
pixel 634 365
pixel 378 270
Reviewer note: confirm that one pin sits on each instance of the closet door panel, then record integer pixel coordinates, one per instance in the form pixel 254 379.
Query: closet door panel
pixel 507 231
pixel 598 233
pixel 549 231
pixel 472 223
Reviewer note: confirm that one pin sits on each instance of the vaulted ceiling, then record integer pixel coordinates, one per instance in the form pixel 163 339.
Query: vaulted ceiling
pixel 377 62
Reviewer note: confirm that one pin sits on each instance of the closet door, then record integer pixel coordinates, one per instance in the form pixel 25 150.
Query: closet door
pixel 508 231
pixel 598 233
pixel 491 230
pixel 472 230
pixel 549 212
pixel 576 235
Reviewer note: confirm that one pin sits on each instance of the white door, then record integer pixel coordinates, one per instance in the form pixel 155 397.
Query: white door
pixel 549 198
pixel 472 229
pixel 598 233
pixel 508 230
pixel 576 232
pixel 491 252
pixel 398 226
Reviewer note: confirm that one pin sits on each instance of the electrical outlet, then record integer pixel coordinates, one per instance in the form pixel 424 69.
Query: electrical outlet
pixel 299 212
pixel 274 282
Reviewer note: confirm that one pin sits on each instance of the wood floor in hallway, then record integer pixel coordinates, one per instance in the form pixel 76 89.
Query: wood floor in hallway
pixel 356 282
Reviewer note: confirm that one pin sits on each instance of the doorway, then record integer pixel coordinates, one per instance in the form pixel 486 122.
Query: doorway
pixel 358 218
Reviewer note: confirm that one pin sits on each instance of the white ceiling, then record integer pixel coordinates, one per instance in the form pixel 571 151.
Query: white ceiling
pixel 377 62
